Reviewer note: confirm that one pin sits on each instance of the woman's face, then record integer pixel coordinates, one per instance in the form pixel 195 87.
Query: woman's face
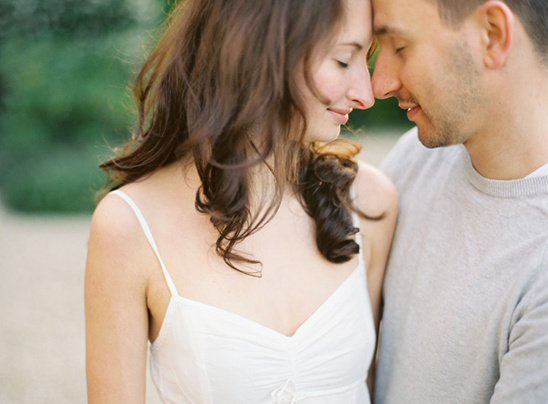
pixel 339 73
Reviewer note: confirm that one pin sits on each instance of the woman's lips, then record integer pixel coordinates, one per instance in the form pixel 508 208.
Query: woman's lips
pixel 341 116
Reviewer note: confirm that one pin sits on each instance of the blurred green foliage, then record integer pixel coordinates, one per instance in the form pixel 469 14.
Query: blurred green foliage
pixel 65 17
pixel 62 97
pixel 64 69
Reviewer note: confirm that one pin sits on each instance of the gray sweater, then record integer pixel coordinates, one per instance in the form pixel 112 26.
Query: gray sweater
pixel 466 290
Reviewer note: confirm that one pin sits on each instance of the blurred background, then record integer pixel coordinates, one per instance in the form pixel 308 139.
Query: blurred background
pixel 64 99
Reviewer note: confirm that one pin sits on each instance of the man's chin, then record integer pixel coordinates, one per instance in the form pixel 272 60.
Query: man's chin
pixel 430 139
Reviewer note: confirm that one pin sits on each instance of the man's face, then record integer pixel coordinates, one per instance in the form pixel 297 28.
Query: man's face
pixel 429 67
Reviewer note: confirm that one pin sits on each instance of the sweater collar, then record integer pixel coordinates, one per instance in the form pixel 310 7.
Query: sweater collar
pixel 534 185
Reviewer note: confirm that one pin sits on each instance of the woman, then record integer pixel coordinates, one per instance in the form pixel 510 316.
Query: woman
pixel 231 241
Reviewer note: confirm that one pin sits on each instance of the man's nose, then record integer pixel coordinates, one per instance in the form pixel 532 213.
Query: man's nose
pixel 385 81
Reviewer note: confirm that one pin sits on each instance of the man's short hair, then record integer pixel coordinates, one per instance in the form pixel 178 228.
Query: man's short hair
pixel 533 15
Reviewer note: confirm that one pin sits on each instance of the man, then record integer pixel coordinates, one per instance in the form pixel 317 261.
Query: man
pixel 466 291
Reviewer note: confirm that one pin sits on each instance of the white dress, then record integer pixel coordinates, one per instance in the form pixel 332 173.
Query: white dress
pixel 207 355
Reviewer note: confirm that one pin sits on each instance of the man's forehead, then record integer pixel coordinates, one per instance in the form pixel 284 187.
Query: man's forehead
pixel 401 17
pixel 386 15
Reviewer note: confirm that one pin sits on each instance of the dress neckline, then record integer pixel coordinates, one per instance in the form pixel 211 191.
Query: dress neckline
pixel 333 297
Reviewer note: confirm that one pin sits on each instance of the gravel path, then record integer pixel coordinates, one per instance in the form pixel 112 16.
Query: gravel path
pixel 41 292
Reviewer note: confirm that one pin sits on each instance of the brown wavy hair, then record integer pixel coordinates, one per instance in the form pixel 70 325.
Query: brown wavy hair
pixel 220 87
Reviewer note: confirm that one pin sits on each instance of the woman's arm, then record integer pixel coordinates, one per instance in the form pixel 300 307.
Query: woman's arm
pixel 376 196
pixel 115 306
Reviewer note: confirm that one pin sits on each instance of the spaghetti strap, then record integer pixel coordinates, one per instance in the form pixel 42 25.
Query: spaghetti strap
pixel 150 238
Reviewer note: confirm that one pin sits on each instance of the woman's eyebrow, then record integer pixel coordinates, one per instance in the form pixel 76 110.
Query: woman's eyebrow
pixel 353 44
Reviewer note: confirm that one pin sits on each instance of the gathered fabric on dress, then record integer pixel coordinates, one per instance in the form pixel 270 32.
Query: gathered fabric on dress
pixel 207 355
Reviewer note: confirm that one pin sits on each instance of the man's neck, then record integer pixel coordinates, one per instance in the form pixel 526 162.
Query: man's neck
pixel 514 143
pixel 509 159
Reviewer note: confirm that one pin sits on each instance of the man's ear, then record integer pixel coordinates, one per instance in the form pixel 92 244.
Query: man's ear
pixel 497 24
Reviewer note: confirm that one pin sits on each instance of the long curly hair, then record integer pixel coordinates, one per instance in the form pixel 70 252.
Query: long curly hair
pixel 220 87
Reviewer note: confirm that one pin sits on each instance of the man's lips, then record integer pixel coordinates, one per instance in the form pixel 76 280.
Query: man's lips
pixel 340 115
pixel 412 109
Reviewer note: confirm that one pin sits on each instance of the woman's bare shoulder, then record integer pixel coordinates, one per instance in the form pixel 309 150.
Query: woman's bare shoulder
pixel 376 195
pixel 113 219
pixel 117 243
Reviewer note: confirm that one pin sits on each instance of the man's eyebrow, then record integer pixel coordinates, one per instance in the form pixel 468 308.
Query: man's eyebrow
pixel 387 30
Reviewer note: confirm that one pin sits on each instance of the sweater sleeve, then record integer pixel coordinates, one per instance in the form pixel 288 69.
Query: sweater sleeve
pixel 524 367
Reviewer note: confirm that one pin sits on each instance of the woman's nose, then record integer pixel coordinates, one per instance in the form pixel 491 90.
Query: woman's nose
pixel 361 92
